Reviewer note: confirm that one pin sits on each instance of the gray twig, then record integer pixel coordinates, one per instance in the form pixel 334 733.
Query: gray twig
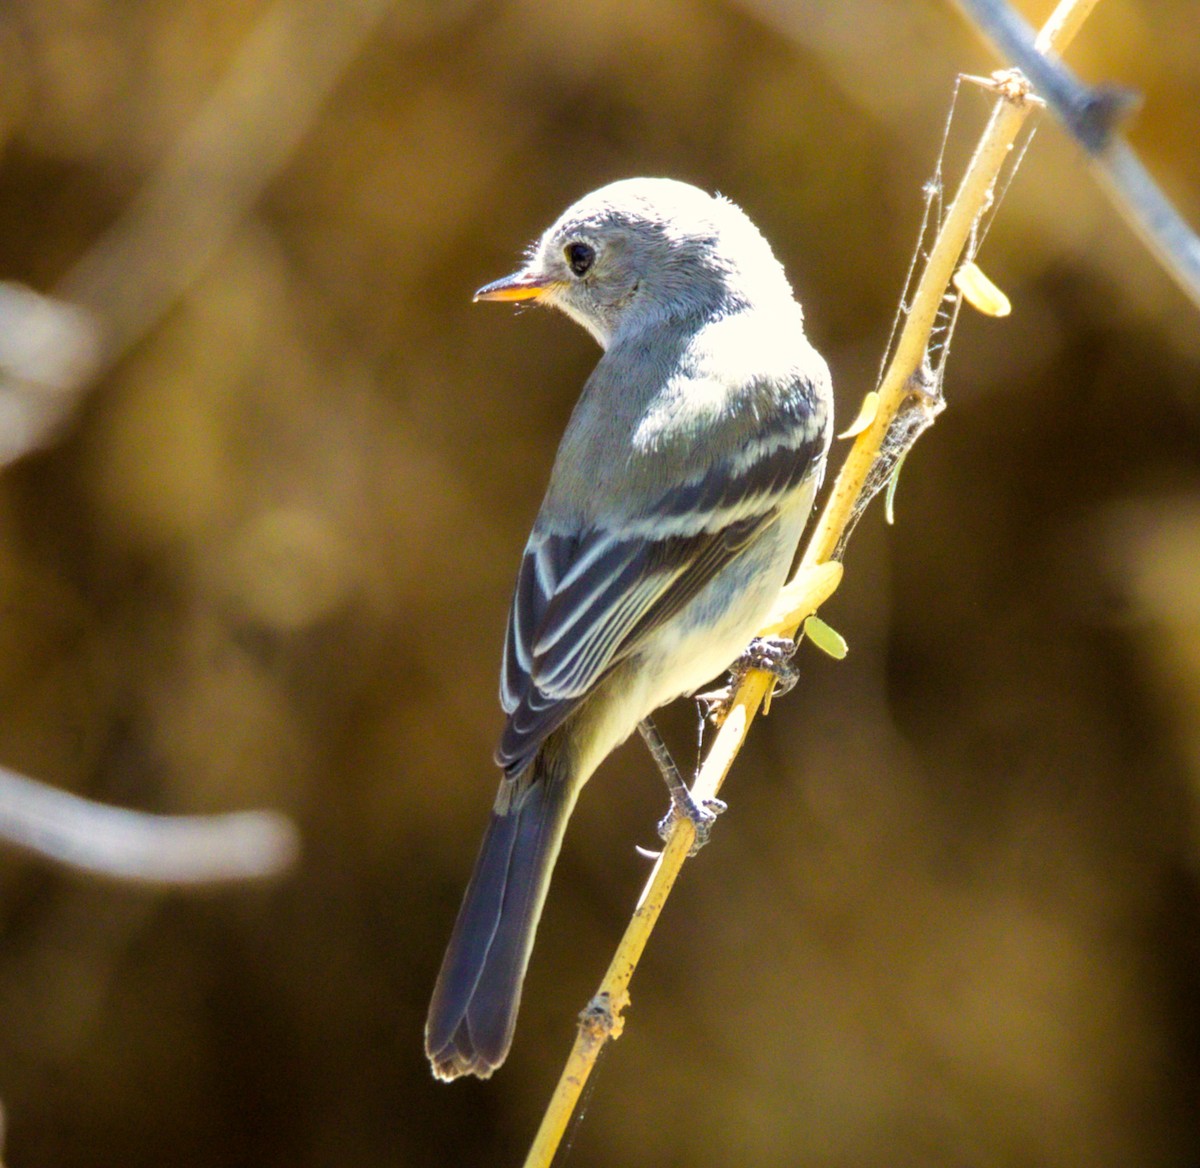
pixel 133 845
pixel 1092 116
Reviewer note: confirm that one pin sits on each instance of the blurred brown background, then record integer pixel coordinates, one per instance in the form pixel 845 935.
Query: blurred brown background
pixel 951 915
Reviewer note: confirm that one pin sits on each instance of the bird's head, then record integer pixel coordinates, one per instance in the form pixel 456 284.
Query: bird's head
pixel 643 250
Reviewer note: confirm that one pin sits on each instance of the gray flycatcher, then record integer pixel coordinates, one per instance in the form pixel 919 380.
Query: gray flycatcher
pixel 681 488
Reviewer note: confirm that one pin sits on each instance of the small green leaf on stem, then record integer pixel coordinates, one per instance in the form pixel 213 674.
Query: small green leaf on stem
pixel 827 639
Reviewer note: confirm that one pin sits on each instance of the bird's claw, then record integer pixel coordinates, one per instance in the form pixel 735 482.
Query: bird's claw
pixel 772 655
pixel 702 815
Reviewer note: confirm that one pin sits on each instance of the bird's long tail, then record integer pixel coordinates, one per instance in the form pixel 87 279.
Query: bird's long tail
pixel 474 1006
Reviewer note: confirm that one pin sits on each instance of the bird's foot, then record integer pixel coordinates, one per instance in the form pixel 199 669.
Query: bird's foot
pixel 772 655
pixel 683 804
pixel 701 814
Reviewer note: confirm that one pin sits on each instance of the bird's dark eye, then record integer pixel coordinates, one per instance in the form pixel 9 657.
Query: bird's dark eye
pixel 579 257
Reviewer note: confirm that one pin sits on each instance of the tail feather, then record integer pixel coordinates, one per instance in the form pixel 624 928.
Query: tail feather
pixel 478 991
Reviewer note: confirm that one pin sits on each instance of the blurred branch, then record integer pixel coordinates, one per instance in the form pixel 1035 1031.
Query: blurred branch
pixel 190 207
pixel 219 167
pixel 904 407
pixel 1091 116
pixel 132 845
pixel 51 348
pixel 47 351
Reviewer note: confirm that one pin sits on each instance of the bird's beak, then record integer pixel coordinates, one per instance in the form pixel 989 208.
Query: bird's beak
pixel 519 286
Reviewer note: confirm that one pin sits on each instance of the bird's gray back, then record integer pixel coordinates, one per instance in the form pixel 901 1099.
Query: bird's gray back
pixel 646 417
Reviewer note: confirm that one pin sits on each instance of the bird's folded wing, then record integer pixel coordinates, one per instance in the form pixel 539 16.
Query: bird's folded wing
pixel 586 600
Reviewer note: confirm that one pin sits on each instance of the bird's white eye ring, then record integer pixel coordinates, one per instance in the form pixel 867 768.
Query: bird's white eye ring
pixel 580 257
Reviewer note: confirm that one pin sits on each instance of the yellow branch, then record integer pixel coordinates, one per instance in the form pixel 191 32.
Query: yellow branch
pixel 816 580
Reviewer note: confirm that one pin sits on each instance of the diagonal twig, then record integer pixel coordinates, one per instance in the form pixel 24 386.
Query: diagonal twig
pixel 1092 116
